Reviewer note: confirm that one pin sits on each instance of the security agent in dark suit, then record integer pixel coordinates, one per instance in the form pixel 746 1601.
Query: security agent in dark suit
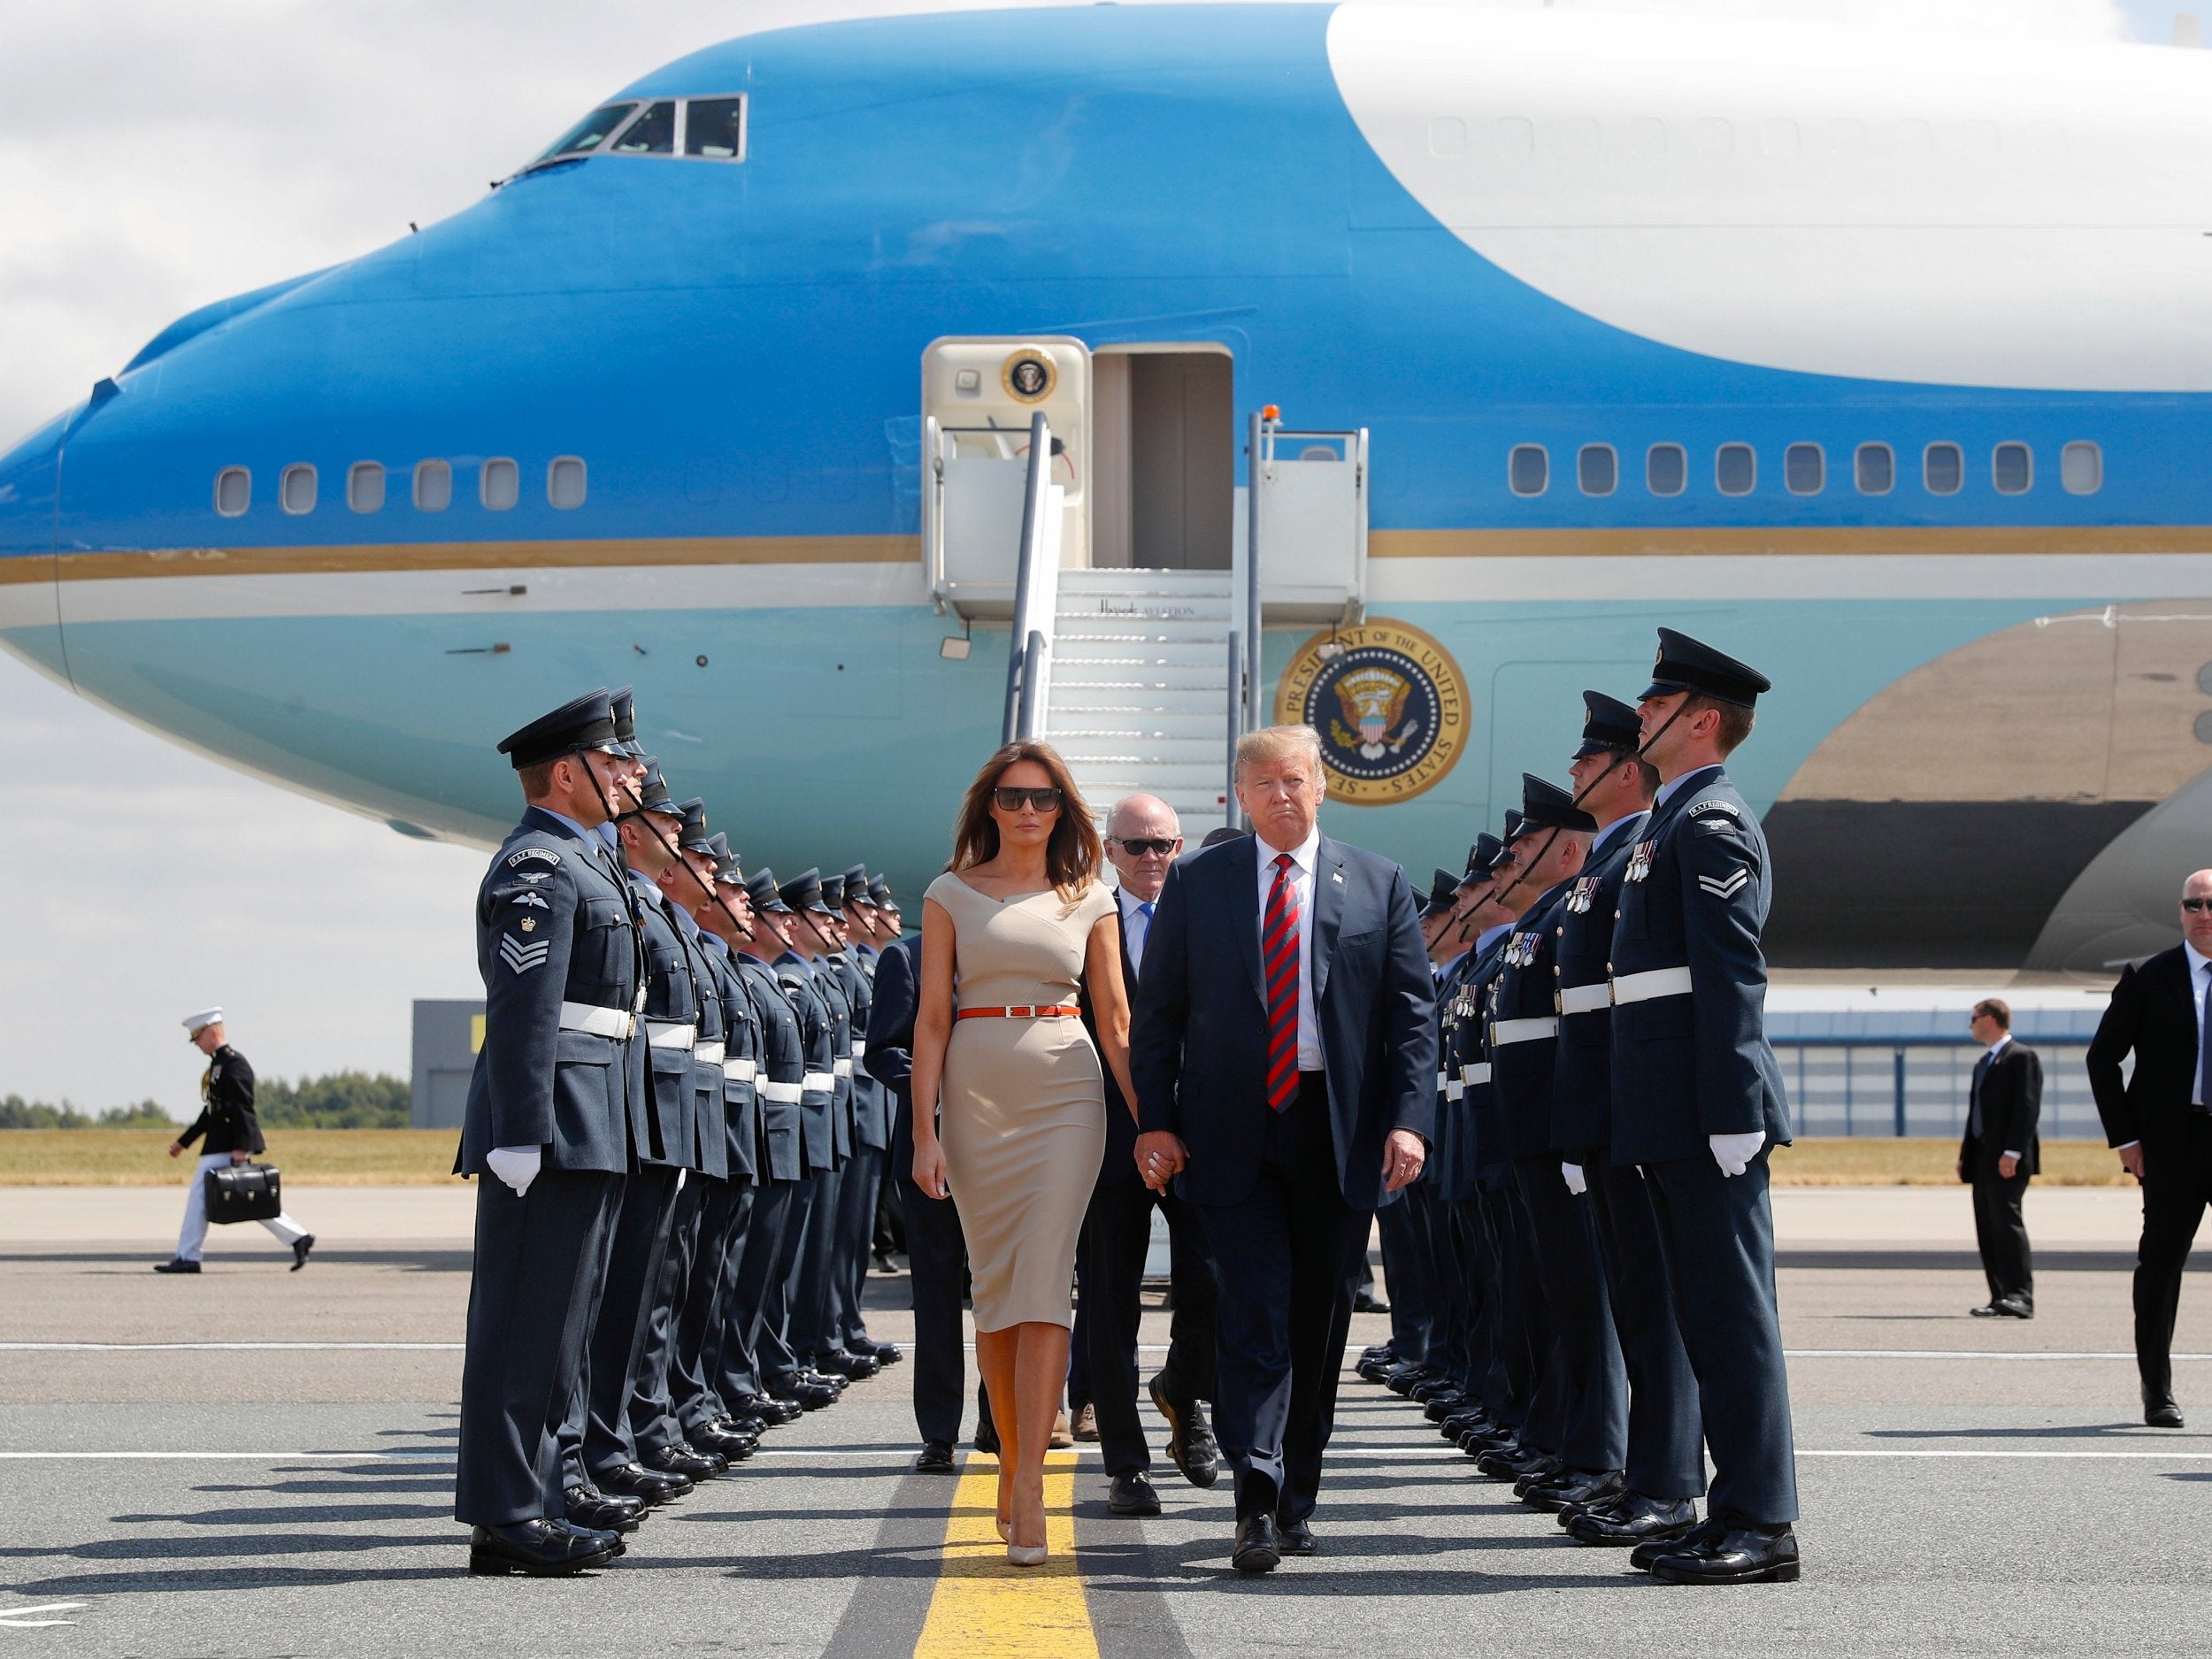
pixel 1998 1154
pixel 1288 1083
pixel 1698 1102
pixel 1142 840
pixel 2160 1122
pixel 547 1124
pixel 1665 1469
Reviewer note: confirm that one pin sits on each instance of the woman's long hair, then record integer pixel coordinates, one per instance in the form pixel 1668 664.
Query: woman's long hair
pixel 1074 852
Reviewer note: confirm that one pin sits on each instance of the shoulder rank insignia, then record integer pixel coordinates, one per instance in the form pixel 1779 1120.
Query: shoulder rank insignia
pixel 1726 887
pixel 1639 861
pixel 522 957
pixel 1583 894
pixel 529 899
pixel 542 855
pixel 528 924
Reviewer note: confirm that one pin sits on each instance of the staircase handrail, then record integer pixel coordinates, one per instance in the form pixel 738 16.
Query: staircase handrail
pixel 1036 593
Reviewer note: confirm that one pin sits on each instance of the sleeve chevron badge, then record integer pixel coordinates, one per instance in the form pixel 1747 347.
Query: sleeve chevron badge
pixel 520 956
pixel 1726 887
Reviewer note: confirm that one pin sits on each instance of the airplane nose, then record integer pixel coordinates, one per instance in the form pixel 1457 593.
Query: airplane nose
pixel 30 623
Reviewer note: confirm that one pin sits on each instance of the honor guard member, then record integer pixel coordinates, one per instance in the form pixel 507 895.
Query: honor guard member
pixel 1665 1470
pixel 755 1347
pixel 655 1432
pixel 646 1214
pixel 546 1136
pixel 1449 1339
pixel 871 1133
pixel 1698 1103
pixel 233 1136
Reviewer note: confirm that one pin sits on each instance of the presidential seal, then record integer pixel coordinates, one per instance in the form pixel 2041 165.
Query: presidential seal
pixel 1390 705
pixel 1028 377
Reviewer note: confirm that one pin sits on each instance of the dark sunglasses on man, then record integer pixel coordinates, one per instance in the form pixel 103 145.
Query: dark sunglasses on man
pixel 1138 846
pixel 1036 799
pixel 2196 907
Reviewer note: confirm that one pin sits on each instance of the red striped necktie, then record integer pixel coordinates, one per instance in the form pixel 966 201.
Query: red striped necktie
pixel 1278 951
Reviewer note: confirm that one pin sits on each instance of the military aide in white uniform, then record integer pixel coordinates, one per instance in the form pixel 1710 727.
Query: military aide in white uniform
pixel 234 1135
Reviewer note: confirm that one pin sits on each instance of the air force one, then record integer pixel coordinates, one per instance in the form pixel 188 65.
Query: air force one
pixel 1882 360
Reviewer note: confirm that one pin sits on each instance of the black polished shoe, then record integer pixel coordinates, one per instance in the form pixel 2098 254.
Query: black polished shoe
pixel 835 1382
pixel 1706 1532
pixel 635 1480
pixel 1131 1493
pixel 1509 1460
pixel 1296 1538
pixel 1367 1302
pixel 1547 1469
pixel 539 1549
pixel 744 1424
pixel 177 1265
pixel 936 1458
pixel 2160 1411
pixel 852 1367
pixel 1438 1388
pixel 728 1444
pixel 1190 1442
pixel 2016 1308
pixel 605 1539
pixel 300 1247
pixel 1631 1520
pixel 807 1397
pixel 1582 1488
pixel 1743 1554
pixel 681 1457
pixel 1401 1379
pixel 1257 1548
pixel 590 1508
pixel 762 1407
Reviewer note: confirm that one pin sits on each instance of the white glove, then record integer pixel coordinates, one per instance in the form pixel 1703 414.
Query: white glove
pixel 518 1166
pixel 1734 1152
pixel 1571 1173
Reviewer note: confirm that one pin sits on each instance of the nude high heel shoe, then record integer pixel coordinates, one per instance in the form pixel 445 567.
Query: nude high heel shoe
pixel 1027 1554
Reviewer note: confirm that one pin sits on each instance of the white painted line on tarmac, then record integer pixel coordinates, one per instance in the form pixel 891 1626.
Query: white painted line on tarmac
pixel 1884 1451
pixel 1946 1353
pixel 898 1457
pixel 236 1348
pixel 19 1618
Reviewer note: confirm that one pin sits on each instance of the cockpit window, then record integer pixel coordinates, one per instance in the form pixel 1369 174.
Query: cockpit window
pixel 652 134
pixel 588 135
pixel 715 128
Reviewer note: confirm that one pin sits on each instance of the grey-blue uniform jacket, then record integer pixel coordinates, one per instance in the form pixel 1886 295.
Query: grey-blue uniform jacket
pixel 559 960
pixel 709 1131
pixel 1524 1030
pixel 672 1007
pixel 782 1072
pixel 829 985
pixel 1693 1062
pixel 1449 1171
pixel 817 1093
pixel 741 1062
pixel 1494 1162
pixel 1582 1085
pixel 872 1106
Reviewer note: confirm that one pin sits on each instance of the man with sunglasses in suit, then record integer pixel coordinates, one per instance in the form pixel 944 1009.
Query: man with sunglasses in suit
pixel 2160 1122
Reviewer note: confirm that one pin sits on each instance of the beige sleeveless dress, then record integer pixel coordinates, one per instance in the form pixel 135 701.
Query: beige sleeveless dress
pixel 1023 1107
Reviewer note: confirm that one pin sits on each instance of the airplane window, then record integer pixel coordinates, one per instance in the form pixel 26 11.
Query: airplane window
pixel 1597 469
pixel 295 490
pixel 590 133
pixel 715 127
pixel 565 482
pixel 2081 469
pixel 500 485
pixel 1804 469
pixel 365 487
pixel 1877 469
pixel 2012 468
pixel 433 486
pixel 233 491
pixel 1943 469
pixel 1735 469
pixel 652 134
pixel 1528 469
pixel 1666 469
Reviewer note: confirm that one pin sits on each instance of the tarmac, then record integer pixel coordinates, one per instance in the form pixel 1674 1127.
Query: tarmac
pixel 258 1463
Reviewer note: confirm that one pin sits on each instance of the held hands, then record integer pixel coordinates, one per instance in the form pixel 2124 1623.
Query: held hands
pixel 1734 1152
pixel 518 1166
pixel 1403 1155
pixel 929 1168
pixel 1161 1157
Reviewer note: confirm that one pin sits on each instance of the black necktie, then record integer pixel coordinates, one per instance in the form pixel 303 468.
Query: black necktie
pixel 1974 1096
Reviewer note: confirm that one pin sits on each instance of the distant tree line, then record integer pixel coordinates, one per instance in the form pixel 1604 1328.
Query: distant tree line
pixel 342 1100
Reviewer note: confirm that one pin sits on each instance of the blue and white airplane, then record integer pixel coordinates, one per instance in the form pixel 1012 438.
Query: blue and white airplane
pixel 1882 360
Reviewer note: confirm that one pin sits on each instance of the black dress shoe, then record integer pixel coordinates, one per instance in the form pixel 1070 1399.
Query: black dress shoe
pixel 986 1436
pixel 835 1382
pixel 751 1427
pixel 1367 1302
pixel 1579 1488
pixel 936 1458
pixel 852 1367
pixel 727 1444
pixel 1401 1379
pixel 806 1396
pixel 1987 1310
pixel 1190 1442
pixel 300 1247
pixel 681 1457
pixel 1632 1520
pixel 1444 1404
pixel 1706 1532
pixel 1257 1549
pixel 536 1548
pixel 178 1266
pixel 1547 1469
pixel 2015 1308
pixel 1743 1554
pixel 1131 1493
pixel 1296 1538
pixel 609 1541
pixel 763 1408
pixel 589 1507
pixel 885 1353
pixel 635 1480
pixel 1509 1461
pixel 2161 1412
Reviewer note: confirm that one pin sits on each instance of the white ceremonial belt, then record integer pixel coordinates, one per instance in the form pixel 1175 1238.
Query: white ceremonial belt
pixel 1455 1090
pixel 786 1093
pixel 739 1071
pixel 1442 1078
pixel 666 1033
pixel 1586 999
pixel 1641 987
pixel 820 1082
pixel 1511 1031
pixel 708 1054
pixel 842 1068
pixel 1474 1076
pixel 859 1048
pixel 617 1023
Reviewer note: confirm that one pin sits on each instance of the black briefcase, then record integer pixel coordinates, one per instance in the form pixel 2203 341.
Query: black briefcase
pixel 243 1191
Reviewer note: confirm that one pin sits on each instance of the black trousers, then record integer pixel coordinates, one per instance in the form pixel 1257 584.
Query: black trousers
pixel 1405 1279
pixel 1288 1255
pixel 1523 1323
pixel 1420 1205
pixel 811 1330
pixel 1116 1235
pixel 652 1411
pixel 937 1260
pixel 2001 1231
pixel 641 1226
pixel 2173 1204
pixel 1718 1233
pixel 742 1363
pixel 848 1254
pixel 694 1381
pixel 1476 1260
pixel 1584 1355
pixel 1666 1447
pixel 778 1350
pixel 537 1261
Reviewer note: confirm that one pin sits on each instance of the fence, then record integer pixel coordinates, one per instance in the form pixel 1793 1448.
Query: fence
pixel 1909 1073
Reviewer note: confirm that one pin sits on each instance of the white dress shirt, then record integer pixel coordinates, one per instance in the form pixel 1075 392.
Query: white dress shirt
pixel 1302 857
pixel 1136 927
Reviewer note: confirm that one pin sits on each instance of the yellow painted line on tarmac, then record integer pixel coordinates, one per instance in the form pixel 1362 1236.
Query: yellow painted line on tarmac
pixel 984 1607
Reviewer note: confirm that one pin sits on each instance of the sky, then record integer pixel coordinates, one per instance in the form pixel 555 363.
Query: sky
pixel 157 156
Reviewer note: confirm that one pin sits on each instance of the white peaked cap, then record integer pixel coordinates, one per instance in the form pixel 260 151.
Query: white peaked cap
pixel 197 1023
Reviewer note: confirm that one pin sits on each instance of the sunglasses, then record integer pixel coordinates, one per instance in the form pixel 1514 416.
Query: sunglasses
pixel 1138 846
pixel 2196 907
pixel 1036 799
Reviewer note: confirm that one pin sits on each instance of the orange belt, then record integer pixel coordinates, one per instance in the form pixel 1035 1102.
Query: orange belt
pixel 1061 1012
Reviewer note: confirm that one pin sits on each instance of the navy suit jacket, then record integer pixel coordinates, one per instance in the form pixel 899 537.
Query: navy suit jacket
pixel 890 1056
pixel 1198 1047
